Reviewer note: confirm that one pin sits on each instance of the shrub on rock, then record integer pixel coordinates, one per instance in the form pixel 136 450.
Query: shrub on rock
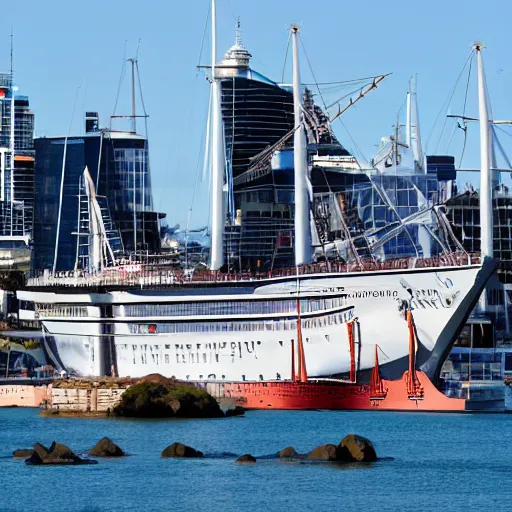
pixel 179 450
pixel 106 448
pixel 167 400
pixel 354 448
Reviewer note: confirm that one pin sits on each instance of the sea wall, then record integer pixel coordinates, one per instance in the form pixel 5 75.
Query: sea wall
pixel 84 400
pixel 24 395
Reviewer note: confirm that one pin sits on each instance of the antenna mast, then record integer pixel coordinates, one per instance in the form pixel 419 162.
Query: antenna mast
pixel 11 134
pixel 133 62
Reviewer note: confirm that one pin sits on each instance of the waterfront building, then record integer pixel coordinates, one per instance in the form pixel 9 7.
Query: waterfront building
pixel 118 177
pixel 463 213
pixel 17 176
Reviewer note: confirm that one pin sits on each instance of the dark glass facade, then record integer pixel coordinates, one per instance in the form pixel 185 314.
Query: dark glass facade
pixel 119 166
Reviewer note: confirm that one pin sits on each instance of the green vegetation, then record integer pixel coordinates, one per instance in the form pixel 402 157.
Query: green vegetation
pixel 167 400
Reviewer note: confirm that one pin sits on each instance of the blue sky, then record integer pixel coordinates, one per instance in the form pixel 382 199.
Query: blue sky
pixel 61 46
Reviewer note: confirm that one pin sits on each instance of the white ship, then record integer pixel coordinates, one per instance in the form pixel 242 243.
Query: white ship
pixel 243 330
pixel 137 320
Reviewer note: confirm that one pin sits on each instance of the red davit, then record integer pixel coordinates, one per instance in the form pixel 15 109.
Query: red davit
pixel 413 392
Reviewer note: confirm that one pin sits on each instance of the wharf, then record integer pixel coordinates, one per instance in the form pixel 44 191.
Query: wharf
pixel 86 397
pixel 24 392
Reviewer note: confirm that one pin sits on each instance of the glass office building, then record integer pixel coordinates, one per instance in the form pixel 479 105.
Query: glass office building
pixel 16 176
pixel 119 166
pixel 349 203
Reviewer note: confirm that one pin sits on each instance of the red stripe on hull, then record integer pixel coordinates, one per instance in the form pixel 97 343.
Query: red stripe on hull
pixel 336 395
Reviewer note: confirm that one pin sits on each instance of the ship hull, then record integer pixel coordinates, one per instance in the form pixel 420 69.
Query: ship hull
pixel 103 342
pixel 336 395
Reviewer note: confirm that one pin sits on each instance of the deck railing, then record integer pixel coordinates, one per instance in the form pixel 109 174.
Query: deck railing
pixel 149 276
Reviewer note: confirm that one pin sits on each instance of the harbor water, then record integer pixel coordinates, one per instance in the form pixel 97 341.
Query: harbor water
pixel 432 462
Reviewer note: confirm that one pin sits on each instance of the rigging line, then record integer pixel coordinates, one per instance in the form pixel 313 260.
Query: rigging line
pixel 500 147
pixel 323 101
pixel 364 79
pixel 502 129
pixel 447 102
pixel 120 84
pixel 138 47
pixel 286 55
pixel 61 190
pixel 145 161
pixel 140 89
pixel 467 88
pixel 353 140
pixel 312 72
pixel 232 11
pixel 339 100
pixel 464 127
pixel 196 181
pixel 454 130
pixel 204 37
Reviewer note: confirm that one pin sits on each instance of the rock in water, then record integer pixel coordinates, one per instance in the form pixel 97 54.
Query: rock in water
pixel 39 454
pixel 237 411
pixel 166 400
pixel 61 451
pixel 23 453
pixel 58 454
pixel 325 452
pixel 180 450
pixel 354 448
pixel 288 453
pixel 106 448
pixel 246 459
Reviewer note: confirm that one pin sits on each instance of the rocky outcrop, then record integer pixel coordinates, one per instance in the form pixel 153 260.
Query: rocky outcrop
pixel 57 454
pixel 22 453
pixel 237 411
pixel 325 452
pixel 166 398
pixel 246 459
pixel 288 453
pixel 179 450
pixel 106 448
pixel 354 448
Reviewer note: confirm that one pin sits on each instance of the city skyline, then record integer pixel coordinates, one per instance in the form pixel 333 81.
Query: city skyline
pixel 406 41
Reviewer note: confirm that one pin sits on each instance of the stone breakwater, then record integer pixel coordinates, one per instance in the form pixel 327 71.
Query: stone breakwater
pixel 351 449
pixel 153 396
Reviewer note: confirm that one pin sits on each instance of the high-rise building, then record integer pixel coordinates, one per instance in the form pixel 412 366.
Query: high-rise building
pixel 17 175
pixel 258 121
pixel 118 165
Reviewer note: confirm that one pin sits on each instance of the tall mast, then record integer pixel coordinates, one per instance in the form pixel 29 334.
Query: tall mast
pixel 413 137
pixel 300 163
pixel 217 199
pixel 486 221
pixel 134 111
